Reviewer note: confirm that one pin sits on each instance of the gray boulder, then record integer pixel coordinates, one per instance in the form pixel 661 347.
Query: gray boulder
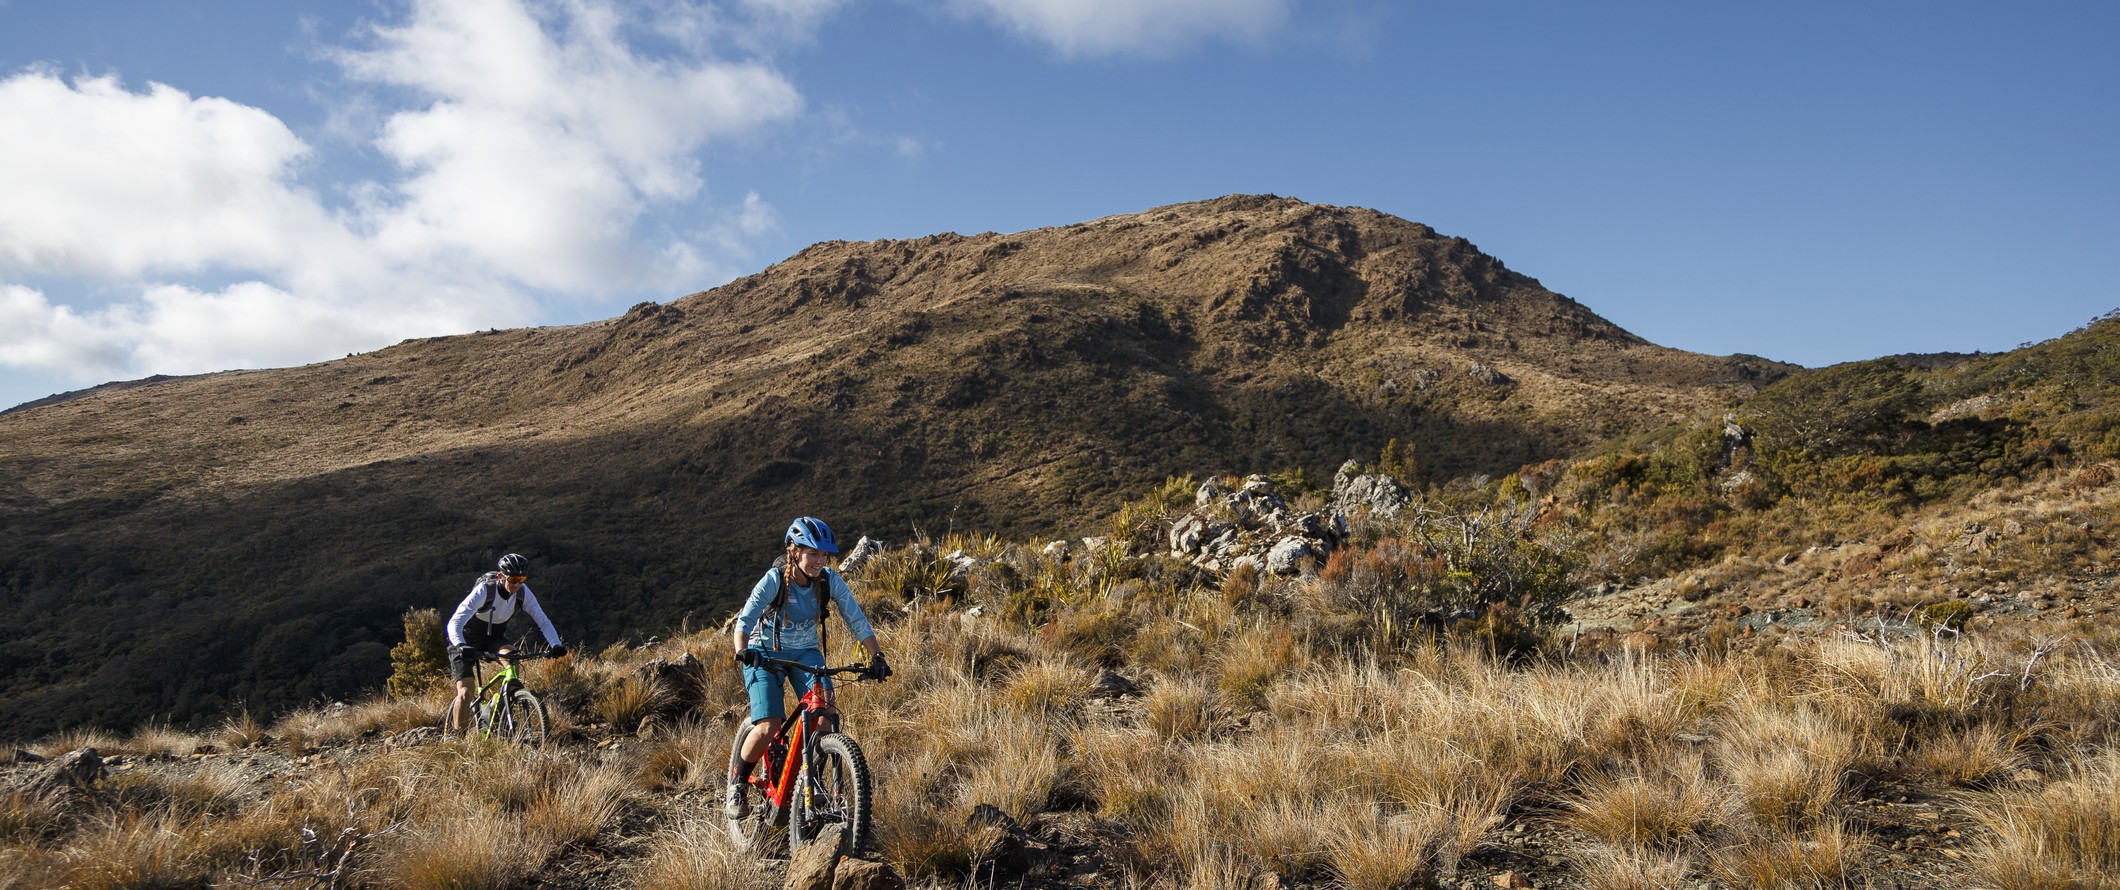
pixel 1287 556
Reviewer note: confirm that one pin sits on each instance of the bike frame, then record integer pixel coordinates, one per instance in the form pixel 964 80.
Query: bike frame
pixel 494 692
pixel 793 744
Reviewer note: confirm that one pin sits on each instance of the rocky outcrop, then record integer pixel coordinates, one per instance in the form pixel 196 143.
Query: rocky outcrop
pixel 72 774
pixel 1377 493
pixel 1253 525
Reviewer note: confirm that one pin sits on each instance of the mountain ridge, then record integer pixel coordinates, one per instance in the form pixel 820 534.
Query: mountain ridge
pixel 1018 383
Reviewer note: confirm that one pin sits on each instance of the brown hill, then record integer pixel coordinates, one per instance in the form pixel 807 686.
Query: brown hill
pixel 185 544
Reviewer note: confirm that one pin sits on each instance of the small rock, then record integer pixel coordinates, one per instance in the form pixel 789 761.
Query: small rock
pixel 1510 880
pixel 77 771
pixel 815 861
pixel 1110 684
pixel 866 874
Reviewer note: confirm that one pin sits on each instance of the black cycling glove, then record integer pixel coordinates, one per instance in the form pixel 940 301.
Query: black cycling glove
pixel 747 656
pixel 879 669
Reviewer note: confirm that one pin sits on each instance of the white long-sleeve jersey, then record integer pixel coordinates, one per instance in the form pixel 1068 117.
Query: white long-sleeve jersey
pixel 490 602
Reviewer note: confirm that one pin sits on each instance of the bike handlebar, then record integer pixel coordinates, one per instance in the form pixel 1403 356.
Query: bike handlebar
pixel 848 670
pixel 518 655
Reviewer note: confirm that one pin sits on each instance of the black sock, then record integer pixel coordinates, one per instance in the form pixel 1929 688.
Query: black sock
pixel 739 770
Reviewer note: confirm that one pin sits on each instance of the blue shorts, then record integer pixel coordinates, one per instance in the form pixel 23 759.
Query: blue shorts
pixel 764 684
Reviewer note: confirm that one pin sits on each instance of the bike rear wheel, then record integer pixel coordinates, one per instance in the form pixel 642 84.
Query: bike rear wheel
pixel 753 833
pixel 834 787
pixel 522 720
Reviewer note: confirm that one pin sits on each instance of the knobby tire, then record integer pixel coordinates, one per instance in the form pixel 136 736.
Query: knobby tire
pixel 523 721
pixel 835 786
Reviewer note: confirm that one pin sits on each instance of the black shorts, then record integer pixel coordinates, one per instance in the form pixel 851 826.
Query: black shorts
pixel 478 636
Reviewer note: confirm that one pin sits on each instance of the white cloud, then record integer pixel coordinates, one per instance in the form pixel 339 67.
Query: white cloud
pixel 531 141
pixel 105 183
pixel 544 142
pixel 1131 27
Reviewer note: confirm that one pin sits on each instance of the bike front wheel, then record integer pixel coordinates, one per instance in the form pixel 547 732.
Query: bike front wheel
pixel 521 720
pixel 834 788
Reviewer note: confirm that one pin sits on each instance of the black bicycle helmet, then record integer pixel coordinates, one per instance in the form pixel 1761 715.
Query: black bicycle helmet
pixel 811 532
pixel 515 564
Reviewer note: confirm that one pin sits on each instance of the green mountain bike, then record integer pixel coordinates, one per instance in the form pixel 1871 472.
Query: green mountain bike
pixel 503 708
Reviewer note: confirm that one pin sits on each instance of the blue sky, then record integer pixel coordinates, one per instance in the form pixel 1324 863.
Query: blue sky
pixel 260 184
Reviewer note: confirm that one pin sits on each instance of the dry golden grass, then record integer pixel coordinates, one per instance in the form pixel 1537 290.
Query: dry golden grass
pixel 1179 707
pixel 1248 665
pixel 2064 835
pixel 1820 857
pixel 74 740
pixel 1263 746
pixel 1669 808
pixel 211 790
pixel 29 818
pixel 240 730
pixel 626 703
pixel 160 740
pixel 1787 761
pixel 1609 867
pixel 1978 756
pixel 127 850
pixel 1049 688
pixel 576 808
pixel 339 723
pixel 696 854
pixel 478 848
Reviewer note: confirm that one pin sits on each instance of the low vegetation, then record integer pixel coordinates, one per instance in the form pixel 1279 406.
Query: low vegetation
pixel 1369 723
pixel 1853 634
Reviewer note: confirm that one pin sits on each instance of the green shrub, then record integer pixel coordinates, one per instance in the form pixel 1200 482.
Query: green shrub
pixel 421 662
pixel 1951 614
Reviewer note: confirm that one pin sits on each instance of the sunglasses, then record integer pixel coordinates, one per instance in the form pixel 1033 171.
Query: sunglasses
pixel 516 579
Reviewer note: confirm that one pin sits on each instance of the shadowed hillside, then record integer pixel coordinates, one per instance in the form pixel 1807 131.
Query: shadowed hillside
pixel 181 546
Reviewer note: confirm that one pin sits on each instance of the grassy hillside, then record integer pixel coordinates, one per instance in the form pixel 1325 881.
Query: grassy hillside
pixel 1856 631
pixel 186 545
pixel 1133 720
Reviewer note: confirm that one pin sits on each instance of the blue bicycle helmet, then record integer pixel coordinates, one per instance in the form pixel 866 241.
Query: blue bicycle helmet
pixel 811 532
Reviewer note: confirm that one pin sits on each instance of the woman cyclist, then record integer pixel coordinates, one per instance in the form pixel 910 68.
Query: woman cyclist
pixel 786 611
pixel 480 625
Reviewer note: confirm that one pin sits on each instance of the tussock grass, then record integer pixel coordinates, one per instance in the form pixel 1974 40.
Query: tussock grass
pixel 125 850
pixel 240 730
pixel 695 853
pixel 161 740
pixel 628 702
pixel 29 818
pixel 1820 857
pixel 1672 807
pixel 212 790
pixel 74 740
pixel 340 723
pixel 1277 737
pixel 2064 835
pixel 575 808
pixel 479 849
pixel 1610 867
pixel 1050 688
pixel 1179 708
pixel 1978 756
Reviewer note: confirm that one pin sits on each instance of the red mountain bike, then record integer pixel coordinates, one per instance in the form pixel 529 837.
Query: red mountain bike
pixel 826 780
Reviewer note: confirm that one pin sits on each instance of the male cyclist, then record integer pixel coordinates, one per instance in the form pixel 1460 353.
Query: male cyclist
pixel 787 606
pixel 480 625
